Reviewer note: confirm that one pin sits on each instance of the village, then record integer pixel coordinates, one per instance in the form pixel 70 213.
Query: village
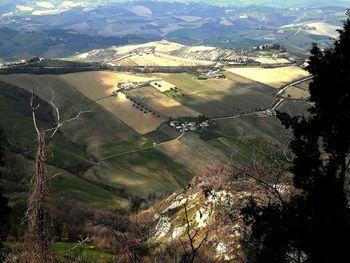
pixel 186 126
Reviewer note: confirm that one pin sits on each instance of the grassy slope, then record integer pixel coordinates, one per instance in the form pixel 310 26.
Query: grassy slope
pixel 19 131
pixel 104 135
pixel 84 251
pixel 71 251
pixel 143 173
pixel 149 171
pixel 87 193
pixel 96 130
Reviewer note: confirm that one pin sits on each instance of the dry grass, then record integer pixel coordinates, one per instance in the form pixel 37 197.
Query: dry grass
pixel 124 110
pixel 99 84
pixel 162 86
pixel 323 29
pixel 160 46
pixel 296 93
pixel 267 60
pixel 172 108
pixel 274 77
pixel 159 60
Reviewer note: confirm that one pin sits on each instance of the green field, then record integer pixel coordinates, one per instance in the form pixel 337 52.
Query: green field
pixel 220 97
pixel 96 131
pixel 83 252
pixel 101 148
pixel 20 133
pixel 142 173
pixel 94 197
pixel 71 251
pixel 101 135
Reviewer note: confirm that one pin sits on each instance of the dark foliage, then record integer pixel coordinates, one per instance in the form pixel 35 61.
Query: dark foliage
pixel 313 226
pixel 22 97
pixel 4 209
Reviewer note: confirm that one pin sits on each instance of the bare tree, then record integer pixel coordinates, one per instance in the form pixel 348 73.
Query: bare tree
pixel 191 253
pixel 38 238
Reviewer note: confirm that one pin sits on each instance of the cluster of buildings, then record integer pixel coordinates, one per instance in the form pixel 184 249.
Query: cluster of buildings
pixel 189 126
pixel 244 61
pixel 131 85
pixel 215 74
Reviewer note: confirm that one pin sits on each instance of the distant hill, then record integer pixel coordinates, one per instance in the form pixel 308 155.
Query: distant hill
pixel 56 30
pixel 16 45
pixel 51 7
pixel 276 3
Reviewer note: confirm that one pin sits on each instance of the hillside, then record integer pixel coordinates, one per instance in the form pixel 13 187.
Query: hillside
pixel 56 43
pixel 207 215
pixel 161 53
pixel 127 141
pixel 83 26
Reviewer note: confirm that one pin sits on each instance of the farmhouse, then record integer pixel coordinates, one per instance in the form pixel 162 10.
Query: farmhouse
pixel 174 123
pixel 215 74
pixel 126 85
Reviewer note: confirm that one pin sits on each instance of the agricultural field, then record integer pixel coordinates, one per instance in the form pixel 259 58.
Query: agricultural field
pixel 220 97
pixel 67 158
pixel 148 60
pixel 270 60
pixel 143 172
pixel 162 86
pixel 315 28
pixel 99 84
pixel 123 146
pixel 296 93
pixel 274 77
pixel 96 131
pixel 160 103
pixel 94 197
pixel 159 53
pixel 259 125
pixel 194 153
pixel 141 119
pixel 171 108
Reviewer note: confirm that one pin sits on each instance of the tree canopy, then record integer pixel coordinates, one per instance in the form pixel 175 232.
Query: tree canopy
pixel 313 226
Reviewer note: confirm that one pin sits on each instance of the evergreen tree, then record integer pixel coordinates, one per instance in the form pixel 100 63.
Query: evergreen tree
pixel 315 225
